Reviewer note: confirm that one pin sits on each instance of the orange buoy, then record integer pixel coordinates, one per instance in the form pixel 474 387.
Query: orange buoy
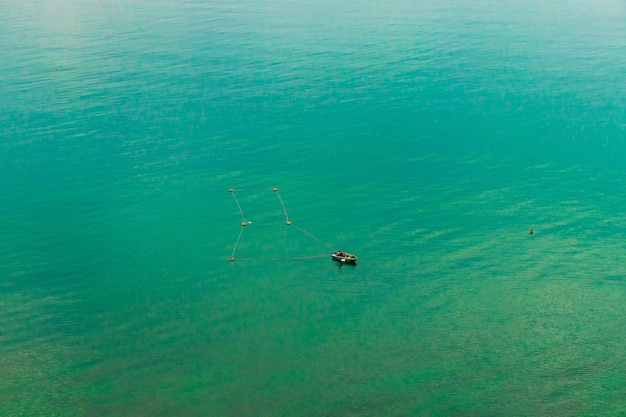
pixel 288 222
pixel 230 190
pixel 243 224
pixel 531 231
pixel 231 259
pixel 275 189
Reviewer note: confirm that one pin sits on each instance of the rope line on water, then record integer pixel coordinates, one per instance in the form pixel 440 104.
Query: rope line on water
pixel 312 236
pixel 282 204
pixel 294 258
pixel 232 255
pixel 287 221
pixel 243 219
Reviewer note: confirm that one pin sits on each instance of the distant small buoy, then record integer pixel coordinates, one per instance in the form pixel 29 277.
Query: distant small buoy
pixel 230 190
pixel 288 222
pixel 531 231
pixel 231 259
pixel 243 224
pixel 275 189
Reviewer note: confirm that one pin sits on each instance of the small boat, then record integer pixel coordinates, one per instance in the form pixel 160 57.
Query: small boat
pixel 344 257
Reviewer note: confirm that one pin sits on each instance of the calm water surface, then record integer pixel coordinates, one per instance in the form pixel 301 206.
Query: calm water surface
pixel 427 137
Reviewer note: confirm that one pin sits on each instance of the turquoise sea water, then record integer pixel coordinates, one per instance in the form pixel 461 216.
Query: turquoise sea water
pixel 426 137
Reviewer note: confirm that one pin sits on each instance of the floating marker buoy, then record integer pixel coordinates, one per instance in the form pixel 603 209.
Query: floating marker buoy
pixel 275 189
pixel 287 222
pixel 231 259
pixel 531 232
pixel 243 224
pixel 230 190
